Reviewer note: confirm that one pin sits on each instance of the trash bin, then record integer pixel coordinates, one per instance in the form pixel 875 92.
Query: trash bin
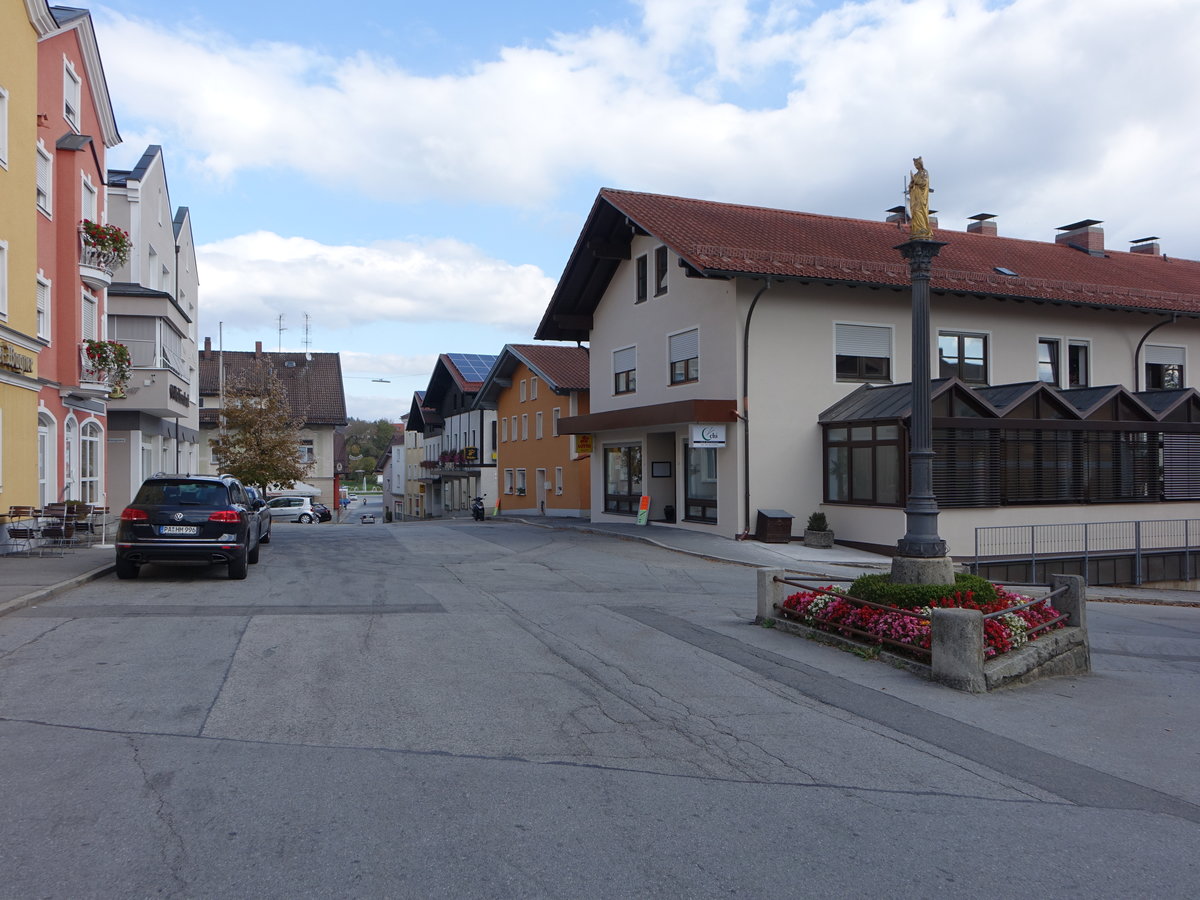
pixel 774 526
pixel 668 513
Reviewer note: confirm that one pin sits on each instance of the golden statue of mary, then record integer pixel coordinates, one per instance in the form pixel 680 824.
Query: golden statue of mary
pixel 918 201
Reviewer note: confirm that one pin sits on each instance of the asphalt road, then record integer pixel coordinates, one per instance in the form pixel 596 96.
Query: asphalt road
pixel 490 710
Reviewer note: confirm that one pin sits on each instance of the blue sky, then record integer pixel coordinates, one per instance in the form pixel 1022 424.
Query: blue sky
pixel 412 176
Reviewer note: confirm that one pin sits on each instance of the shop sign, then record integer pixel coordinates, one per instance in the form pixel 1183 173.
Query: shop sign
pixel 12 358
pixel 583 444
pixel 707 436
pixel 471 454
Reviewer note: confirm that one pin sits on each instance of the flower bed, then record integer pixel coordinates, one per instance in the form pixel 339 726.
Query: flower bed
pixel 831 610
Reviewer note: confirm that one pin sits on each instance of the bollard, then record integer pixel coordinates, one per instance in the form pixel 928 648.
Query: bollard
pixel 957 645
pixel 1073 603
pixel 770 592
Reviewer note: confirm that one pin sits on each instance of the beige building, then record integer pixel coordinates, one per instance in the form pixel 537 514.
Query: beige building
pixel 724 340
pixel 313 384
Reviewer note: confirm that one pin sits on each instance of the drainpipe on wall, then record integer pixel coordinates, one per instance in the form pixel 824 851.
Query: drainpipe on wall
pixel 1137 354
pixel 745 414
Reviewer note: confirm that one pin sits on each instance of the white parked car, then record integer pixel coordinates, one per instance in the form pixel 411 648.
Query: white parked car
pixel 292 509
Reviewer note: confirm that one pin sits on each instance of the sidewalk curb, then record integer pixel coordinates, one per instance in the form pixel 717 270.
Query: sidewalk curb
pixel 694 553
pixel 47 592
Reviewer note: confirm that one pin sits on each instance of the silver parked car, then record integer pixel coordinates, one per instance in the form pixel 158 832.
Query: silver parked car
pixel 291 508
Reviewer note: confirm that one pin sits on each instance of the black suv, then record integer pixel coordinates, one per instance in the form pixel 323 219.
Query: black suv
pixel 196 518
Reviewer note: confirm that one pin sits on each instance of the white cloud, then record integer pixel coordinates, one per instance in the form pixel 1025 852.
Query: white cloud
pixel 257 277
pixel 1039 110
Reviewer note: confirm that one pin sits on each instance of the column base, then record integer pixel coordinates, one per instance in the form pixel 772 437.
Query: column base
pixel 932 570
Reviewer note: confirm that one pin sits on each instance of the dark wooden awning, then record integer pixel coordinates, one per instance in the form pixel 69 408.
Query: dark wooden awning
pixel 680 412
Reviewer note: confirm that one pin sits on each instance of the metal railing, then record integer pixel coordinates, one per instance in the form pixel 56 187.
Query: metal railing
pixel 836 627
pixel 839 627
pixel 1088 540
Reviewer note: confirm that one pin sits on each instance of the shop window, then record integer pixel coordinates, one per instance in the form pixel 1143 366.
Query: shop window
pixel 622 478
pixel 700 494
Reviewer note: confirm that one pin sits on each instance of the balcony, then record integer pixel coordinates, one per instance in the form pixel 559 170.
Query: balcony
pixel 102 249
pixel 157 393
pixel 92 381
pixel 96 266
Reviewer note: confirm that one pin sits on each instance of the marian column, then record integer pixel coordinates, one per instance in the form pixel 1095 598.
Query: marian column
pixel 921 554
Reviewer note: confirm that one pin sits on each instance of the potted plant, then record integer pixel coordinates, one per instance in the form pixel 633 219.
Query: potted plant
pixel 108 242
pixel 111 360
pixel 817 532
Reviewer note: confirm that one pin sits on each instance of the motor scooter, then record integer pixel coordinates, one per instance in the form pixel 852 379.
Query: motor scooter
pixel 477 508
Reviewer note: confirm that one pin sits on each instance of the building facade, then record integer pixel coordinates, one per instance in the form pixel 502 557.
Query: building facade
pixel 152 310
pixel 540 470
pixel 724 340
pixel 76 128
pixel 458 438
pixel 316 396
pixel 24 327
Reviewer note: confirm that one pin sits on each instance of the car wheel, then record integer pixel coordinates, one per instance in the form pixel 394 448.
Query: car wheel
pixel 252 556
pixel 126 569
pixel 305 518
pixel 238 567
pixel 266 538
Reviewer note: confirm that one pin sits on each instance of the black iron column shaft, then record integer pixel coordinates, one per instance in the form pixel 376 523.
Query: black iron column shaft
pixel 921 538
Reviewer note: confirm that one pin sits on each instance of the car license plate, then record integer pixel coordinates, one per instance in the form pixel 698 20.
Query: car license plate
pixel 178 529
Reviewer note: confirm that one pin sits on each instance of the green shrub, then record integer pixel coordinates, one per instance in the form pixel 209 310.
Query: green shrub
pixel 818 522
pixel 881 589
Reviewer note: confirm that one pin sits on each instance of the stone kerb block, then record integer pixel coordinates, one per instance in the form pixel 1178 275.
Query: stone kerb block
pixel 957 645
pixel 770 592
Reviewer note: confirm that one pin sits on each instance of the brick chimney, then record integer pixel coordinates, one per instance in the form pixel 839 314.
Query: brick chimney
pixel 983 223
pixel 257 349
pixel 207 347
pixel 1147 245
pixel 1087 235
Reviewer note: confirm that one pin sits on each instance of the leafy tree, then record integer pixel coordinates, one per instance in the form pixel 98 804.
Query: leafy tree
pixel 368 439
pixel 260 438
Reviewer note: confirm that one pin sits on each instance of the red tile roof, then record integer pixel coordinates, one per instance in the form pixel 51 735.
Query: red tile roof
pixel 563 368
pixel 730 239
pixel 313 386
pixel 745 239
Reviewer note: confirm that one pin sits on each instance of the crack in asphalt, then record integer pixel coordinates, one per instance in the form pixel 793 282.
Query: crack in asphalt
pixel 153 785
pixel 521 760
pixel 1064 778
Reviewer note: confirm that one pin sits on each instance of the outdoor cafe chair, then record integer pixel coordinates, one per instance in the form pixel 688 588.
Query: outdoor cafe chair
pixel 23 531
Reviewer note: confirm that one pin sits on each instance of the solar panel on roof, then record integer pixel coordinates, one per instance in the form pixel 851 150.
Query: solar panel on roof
pixel 472 366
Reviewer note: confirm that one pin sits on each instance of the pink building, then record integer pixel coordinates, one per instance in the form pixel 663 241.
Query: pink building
pixel 75 129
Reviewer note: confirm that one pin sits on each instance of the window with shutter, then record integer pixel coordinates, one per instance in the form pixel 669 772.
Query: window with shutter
pixel 685 356
pixel 862 352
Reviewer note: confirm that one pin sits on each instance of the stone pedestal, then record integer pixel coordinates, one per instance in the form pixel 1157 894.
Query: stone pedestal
pixel 914 570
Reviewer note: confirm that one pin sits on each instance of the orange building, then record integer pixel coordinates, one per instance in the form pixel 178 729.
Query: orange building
pixel 541 472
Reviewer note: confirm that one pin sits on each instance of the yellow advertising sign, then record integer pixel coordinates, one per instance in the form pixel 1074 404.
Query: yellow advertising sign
pixel 583 445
